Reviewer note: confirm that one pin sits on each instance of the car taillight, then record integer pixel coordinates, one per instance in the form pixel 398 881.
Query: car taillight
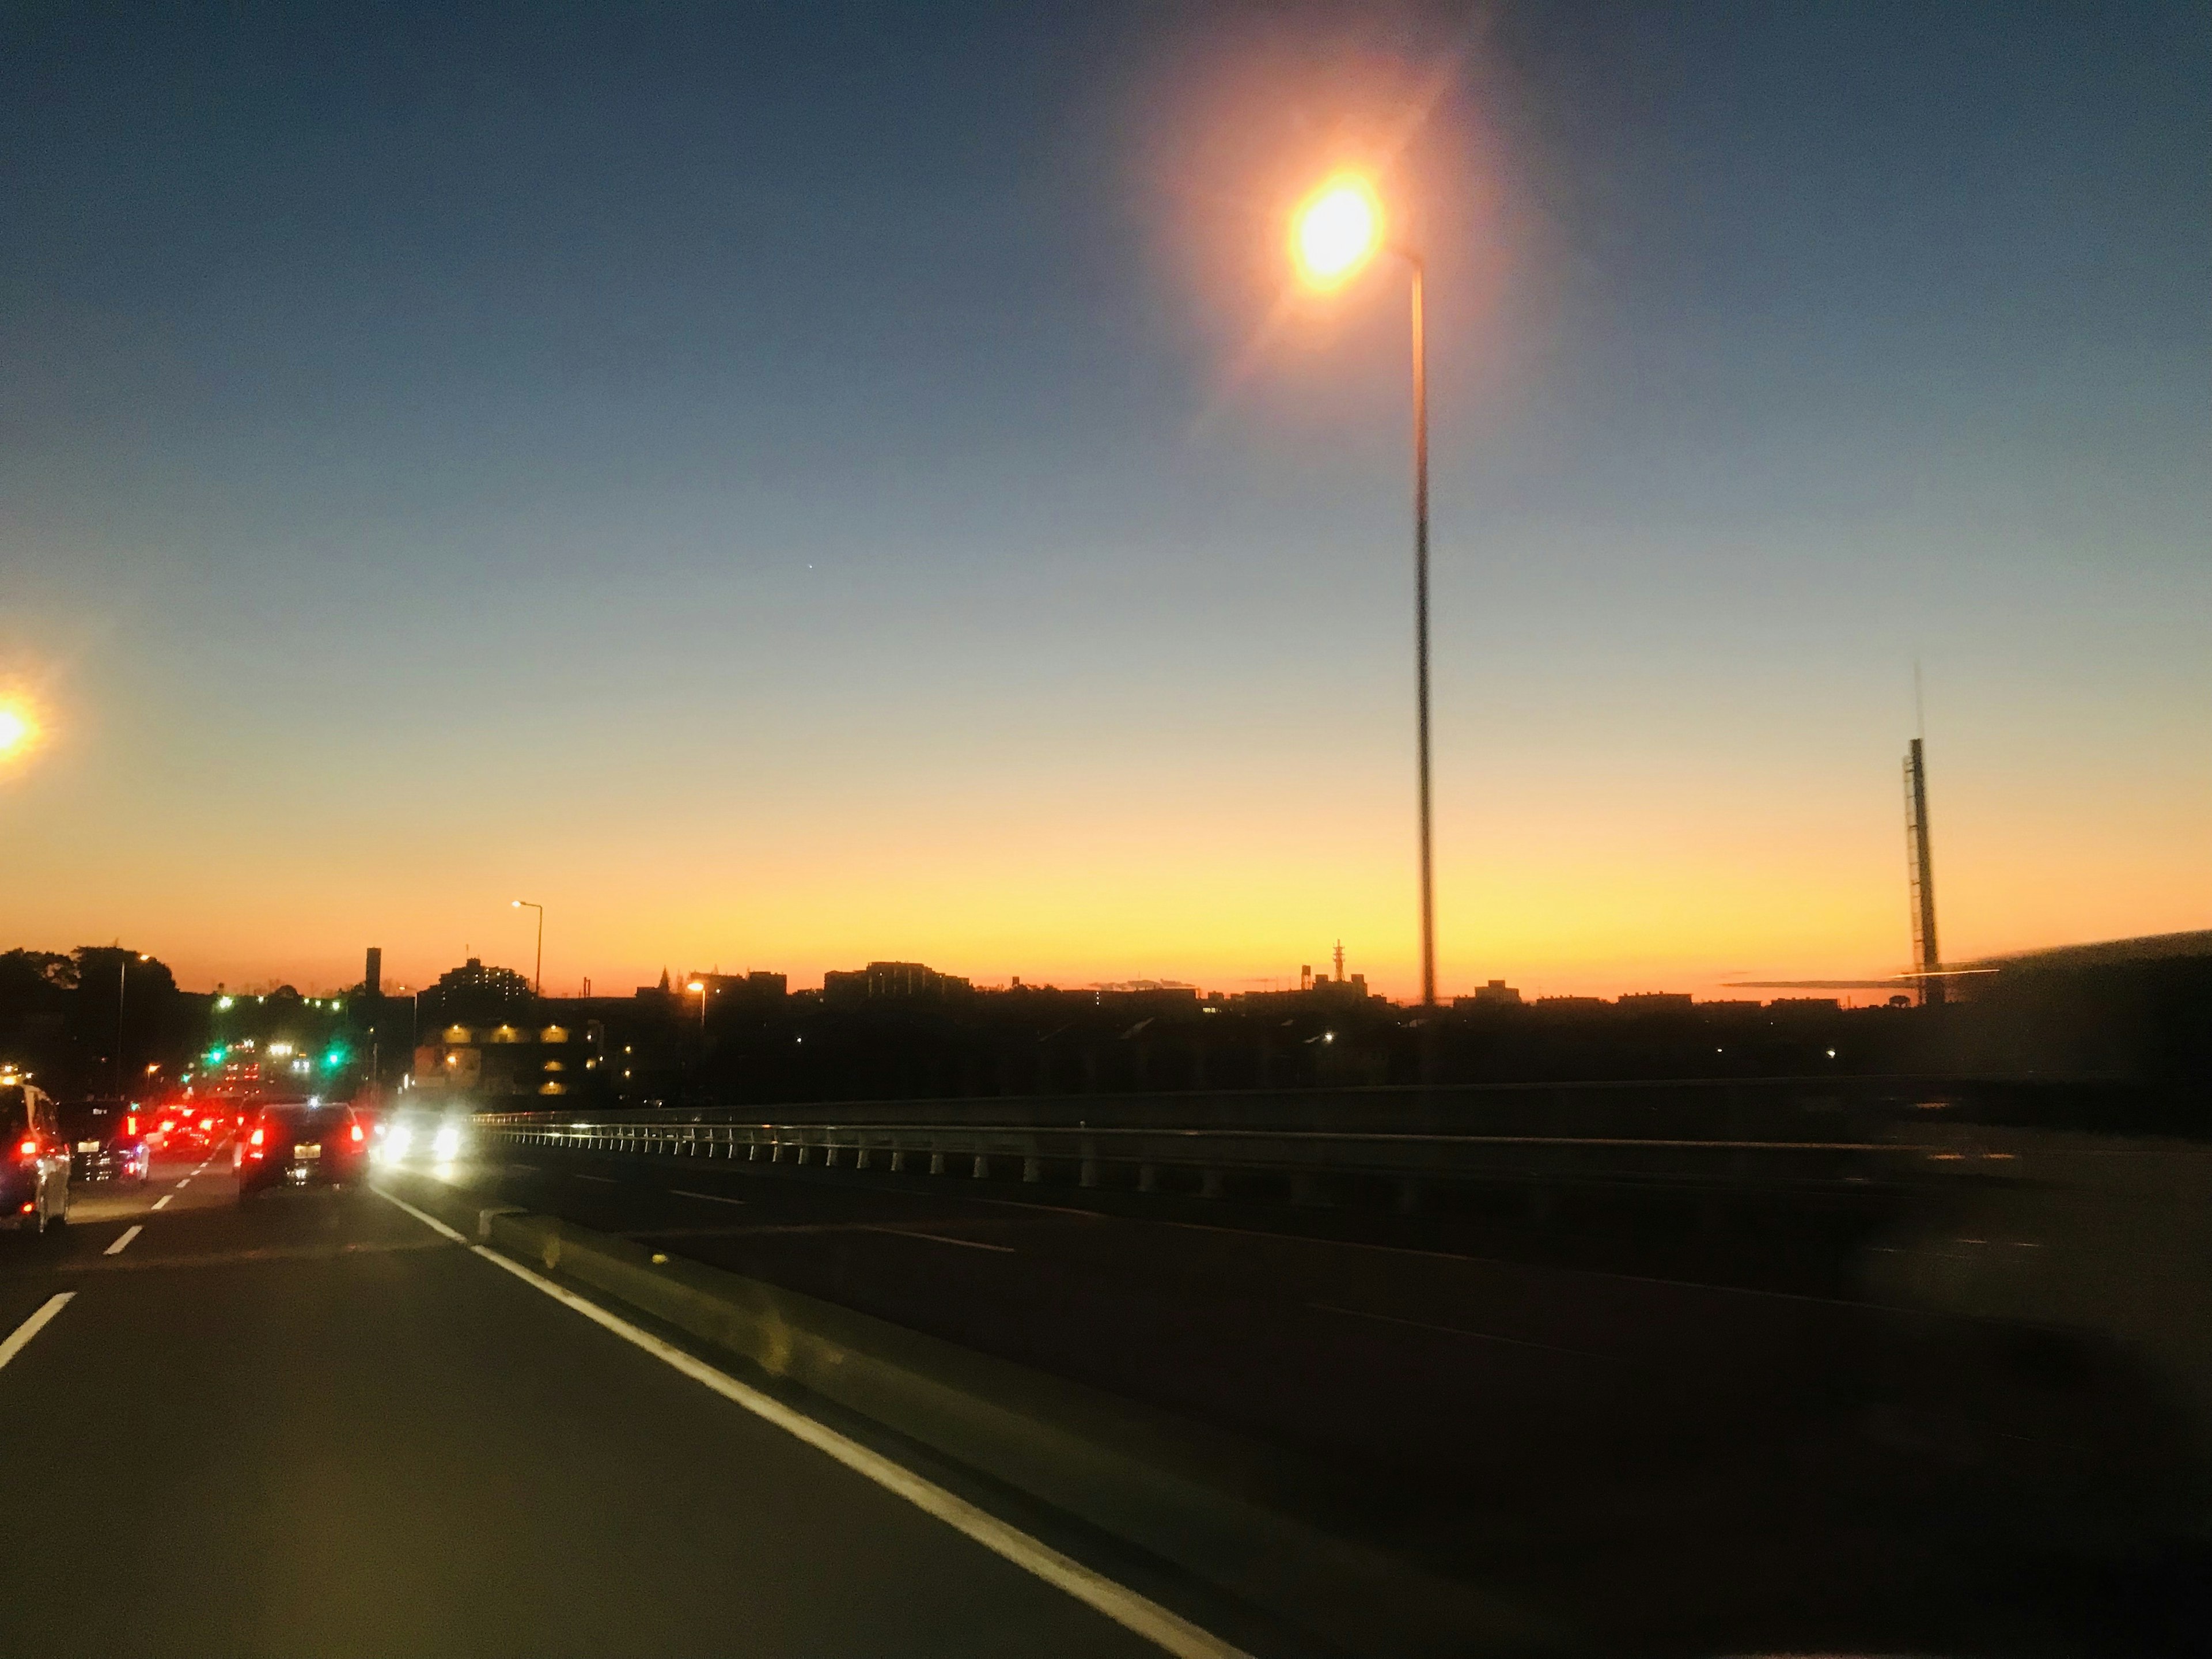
pixel 207 1124
pixel 255 1138
pixel 29 1148
pixel 357 1136
pixel 131 1124
pixel 167 1124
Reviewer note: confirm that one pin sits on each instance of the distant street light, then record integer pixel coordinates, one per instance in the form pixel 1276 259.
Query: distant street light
pixel 1333 233
pixel 700 985
pixel 537 981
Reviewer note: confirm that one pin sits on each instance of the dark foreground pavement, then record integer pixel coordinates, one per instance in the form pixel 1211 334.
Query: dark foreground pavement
pixel 1653 1466
pixel 312 1425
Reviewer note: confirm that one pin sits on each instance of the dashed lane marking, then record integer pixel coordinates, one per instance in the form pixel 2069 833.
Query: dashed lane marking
pixel 162 1202
pixel 706 1198
pixel 122 1243
pixel 1459 1330
pixel 943 1238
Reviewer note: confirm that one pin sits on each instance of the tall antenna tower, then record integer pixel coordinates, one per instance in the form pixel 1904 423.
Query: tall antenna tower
pixel 1926 960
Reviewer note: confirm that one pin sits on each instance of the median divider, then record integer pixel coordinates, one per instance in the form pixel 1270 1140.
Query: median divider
pixel 1219 1509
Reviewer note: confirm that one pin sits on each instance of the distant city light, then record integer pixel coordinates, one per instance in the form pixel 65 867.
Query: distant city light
pixel 224 1002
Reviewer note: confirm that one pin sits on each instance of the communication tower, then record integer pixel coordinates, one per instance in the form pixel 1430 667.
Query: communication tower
pixel 1927 962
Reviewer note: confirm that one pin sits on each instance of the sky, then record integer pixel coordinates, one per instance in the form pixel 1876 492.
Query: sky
pixel 786 487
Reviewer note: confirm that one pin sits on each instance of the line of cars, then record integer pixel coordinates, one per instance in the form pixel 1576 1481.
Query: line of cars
pixel 49 1148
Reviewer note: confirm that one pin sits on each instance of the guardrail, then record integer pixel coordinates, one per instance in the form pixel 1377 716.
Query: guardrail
pixel 1792 1136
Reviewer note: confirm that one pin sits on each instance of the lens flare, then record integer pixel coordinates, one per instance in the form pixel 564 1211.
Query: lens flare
pixel 1336 230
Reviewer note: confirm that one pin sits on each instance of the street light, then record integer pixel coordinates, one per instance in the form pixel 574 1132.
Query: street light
pixel 1333 233
pixel 537 984
pixel 19 729
pixel 700 985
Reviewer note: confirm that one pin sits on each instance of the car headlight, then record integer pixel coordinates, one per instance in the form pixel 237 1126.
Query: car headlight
pixel 396 1143
pixel 448 1142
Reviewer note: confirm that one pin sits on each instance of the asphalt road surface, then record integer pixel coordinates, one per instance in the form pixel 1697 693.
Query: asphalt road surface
pixel 314 1425
pixel 1658 1465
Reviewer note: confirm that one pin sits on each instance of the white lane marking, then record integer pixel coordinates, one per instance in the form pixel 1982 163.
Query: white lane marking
pixel 943 1238
pixel 1460 1330
pixel 185 1183
pixel 709 1197
pixel 1167 1631
pixel 162 1202
pixel 427 1219
pixel 124 1243
pixel 604 1181
pixel 20 1338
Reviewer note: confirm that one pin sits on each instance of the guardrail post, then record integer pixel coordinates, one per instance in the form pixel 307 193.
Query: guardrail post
pixel 937 1164
pixel 983 1167
pixel 1032 1168
pixel 898 1159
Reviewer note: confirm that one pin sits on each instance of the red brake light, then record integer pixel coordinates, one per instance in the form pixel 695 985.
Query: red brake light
pixel 207 1124
pixel 357 1136
pixel 29 1148
pixel 255 1138
pixel 167 1124
pixel 130 1123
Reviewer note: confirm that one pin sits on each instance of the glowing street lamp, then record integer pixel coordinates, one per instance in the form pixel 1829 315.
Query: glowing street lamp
pixel 1336 231
pixel 19 729
pixel 700 985
pixel 1333 234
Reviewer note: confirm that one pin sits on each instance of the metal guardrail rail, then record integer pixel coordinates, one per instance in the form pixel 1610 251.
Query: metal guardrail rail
pixel 1792 1136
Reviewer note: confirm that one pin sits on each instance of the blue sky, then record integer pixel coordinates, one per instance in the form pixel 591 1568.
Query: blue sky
pixel 788 486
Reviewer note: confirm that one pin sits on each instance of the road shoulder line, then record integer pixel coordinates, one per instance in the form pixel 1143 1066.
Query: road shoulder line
pixel 20 1338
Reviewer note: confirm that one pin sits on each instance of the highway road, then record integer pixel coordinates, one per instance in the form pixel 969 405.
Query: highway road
pixel 317 1424
pixel 314 1425
pixel 1653 1464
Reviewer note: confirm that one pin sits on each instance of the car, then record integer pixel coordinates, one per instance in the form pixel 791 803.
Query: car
pixel 108 1141
pixel 34 1159
pixel 184 1129
pixel 299 1143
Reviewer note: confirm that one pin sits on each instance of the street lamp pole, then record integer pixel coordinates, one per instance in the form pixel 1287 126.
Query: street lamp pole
pixel 538 980
pixel 122 991
pixel 1333 235
pixel 1421 624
